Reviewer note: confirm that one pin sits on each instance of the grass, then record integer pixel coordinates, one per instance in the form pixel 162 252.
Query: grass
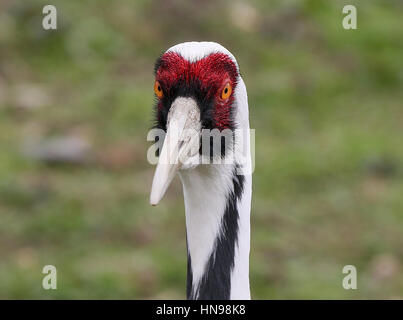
pixel 326 104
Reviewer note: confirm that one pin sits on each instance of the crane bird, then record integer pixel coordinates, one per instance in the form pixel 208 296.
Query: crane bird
pixel 198 86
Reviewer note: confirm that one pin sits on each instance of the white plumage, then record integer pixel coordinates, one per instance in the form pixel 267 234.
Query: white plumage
pixel 217 201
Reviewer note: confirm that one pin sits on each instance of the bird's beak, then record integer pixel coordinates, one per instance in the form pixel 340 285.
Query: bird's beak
pixel 180 144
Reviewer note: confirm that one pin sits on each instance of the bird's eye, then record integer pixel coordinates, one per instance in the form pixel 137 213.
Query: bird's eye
pixel 226 92
pixel 158 89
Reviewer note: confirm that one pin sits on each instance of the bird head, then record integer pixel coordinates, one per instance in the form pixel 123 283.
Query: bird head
pixel 195 88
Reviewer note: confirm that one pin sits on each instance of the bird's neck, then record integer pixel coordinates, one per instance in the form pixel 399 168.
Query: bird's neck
pixel 217 205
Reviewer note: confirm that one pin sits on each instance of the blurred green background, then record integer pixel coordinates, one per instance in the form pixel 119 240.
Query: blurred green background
pixel 75 108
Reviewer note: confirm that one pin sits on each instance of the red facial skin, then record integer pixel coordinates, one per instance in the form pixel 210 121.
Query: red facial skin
pixel 212 72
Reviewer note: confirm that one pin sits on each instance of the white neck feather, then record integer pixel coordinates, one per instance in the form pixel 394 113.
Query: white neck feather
pixel 206 189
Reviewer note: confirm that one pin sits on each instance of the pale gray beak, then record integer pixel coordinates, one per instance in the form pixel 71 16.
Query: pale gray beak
pixel 181 143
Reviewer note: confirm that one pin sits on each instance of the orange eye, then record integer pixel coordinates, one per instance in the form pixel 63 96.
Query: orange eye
pixel 226 92
pixel 158 89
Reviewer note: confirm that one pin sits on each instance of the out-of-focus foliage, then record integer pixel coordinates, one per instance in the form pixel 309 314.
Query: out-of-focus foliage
pixel 326 104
